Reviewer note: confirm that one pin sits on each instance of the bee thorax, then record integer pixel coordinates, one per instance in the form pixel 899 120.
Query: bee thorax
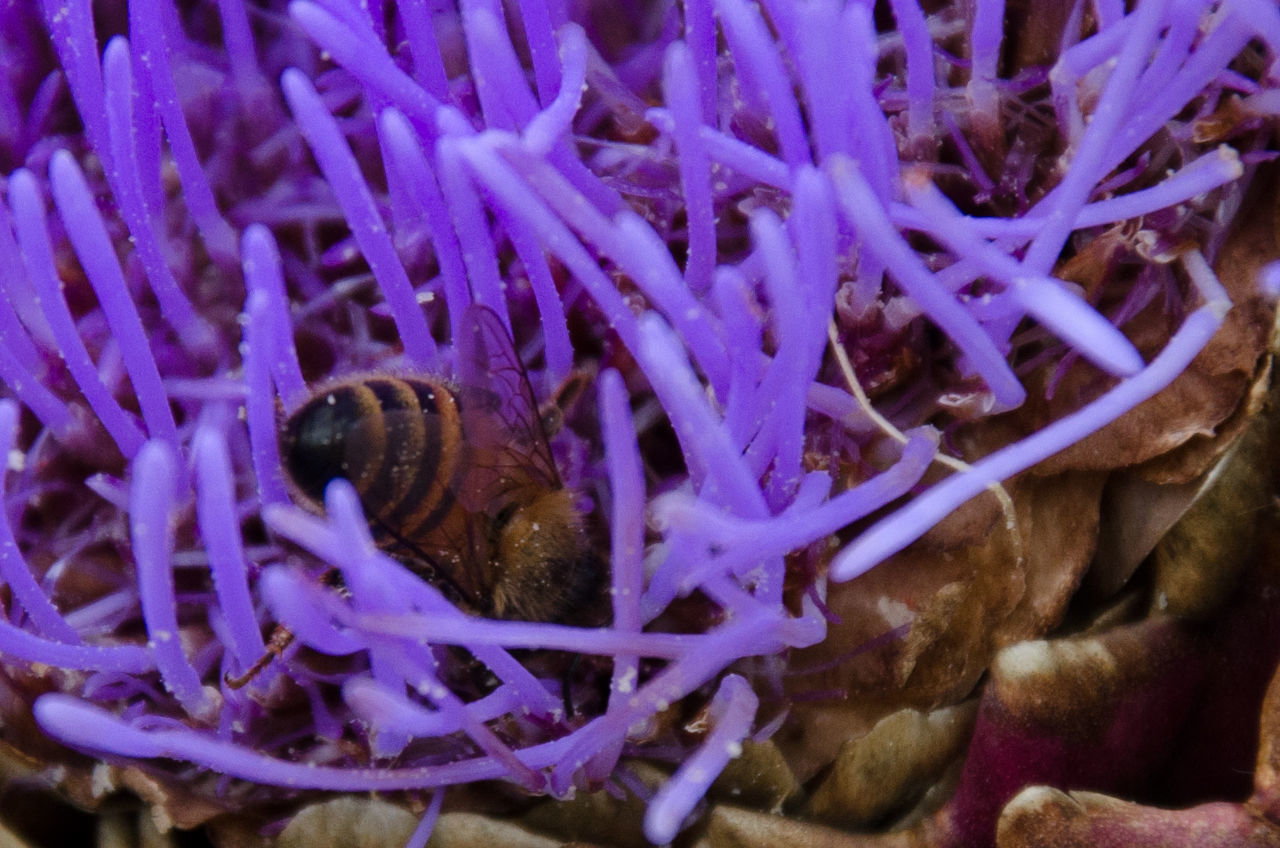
pixel 538 553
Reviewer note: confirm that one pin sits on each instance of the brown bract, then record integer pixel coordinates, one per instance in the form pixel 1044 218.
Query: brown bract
pixel 1200 400
pixel 1158 516
pixel 962 595
pixel 1041 817
pixel 881 773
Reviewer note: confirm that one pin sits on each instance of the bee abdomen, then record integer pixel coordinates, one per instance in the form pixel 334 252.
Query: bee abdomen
pixel 392 438
pixel 316 440
pixel 430 496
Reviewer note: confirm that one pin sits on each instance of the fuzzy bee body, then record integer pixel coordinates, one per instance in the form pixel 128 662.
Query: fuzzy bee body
pixel 457 480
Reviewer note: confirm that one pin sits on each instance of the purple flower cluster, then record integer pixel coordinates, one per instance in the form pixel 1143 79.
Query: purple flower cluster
pixel 212 206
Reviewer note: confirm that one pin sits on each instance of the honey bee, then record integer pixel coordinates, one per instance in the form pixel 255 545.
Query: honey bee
pixel 456 479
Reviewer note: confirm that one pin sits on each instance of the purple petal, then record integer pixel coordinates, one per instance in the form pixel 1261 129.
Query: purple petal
pixel 920 74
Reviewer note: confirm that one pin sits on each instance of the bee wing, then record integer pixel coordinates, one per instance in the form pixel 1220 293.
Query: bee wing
pixel 412 507
pixel 509 457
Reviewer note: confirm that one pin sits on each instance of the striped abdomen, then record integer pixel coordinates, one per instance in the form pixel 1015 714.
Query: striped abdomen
pixel 397 439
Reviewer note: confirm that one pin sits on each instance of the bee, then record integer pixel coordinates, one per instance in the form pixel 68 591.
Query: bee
pixel 456 479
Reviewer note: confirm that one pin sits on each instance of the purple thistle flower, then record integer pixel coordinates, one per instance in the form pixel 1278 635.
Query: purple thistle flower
pixel 213 209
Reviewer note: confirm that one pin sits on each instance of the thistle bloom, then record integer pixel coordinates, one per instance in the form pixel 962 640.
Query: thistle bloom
pixel 821 248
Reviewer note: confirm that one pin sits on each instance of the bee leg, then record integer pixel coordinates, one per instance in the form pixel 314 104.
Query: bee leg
pixel 561 403
pixel 551 417
pixel 281 638
pixel 566 683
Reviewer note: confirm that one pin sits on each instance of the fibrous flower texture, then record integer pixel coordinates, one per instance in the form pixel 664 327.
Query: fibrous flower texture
pixel 799 242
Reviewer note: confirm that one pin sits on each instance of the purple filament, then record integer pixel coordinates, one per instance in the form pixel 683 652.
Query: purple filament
pixel 21 306
pixel 800 335
pixel 1212 170
pixel 1086 168
pixel 127 185
pixel 550 126
pixel 555 330
pixel 758 59
pixel 700 35
pixel 263 273
pixel 743 542
pixel 88 235
pixel 151 502
pixel 33 240
pixel 20 644
pixel 985 40
pixel 642 254
pixel 318 537
pixel 825 69
pixel 716 650
pixel 713 459
pixel 237 36
pixel 680 86
pixel 17 358
pixel 505 100
pixel 366 60
pixel 626 477
pixel 879 237
pixel 394 711
pixel 260 412
pixel 145 20
pixel 309 611
pixel 427 823
pixel 428 65
pixel 479 254
pixel 339 166
pixel 920 73
pixel 732 710
pixel 540 35
pixel 1046 298
pixel 70 24
pixel 743 328
pixel 409 164
pixel 14 568
pixel 220 529
pixel 93 728
pixel 508 188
